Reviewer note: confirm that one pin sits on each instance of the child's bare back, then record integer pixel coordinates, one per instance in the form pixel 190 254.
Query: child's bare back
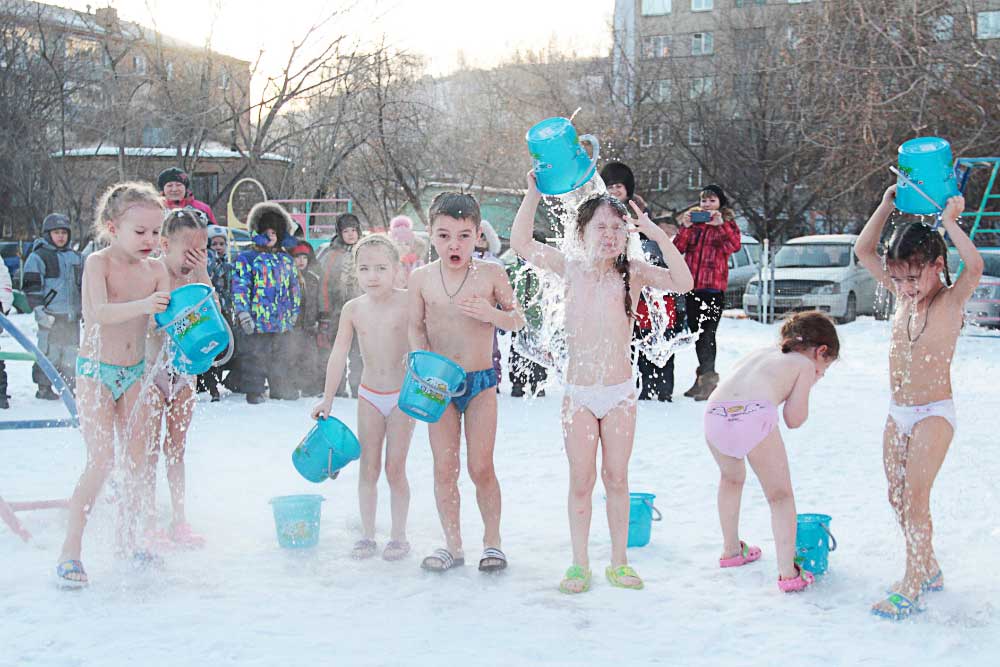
pixel 768 374
pixel 381 328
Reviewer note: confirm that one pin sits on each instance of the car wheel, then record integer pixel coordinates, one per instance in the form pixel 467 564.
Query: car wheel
pixel 851 313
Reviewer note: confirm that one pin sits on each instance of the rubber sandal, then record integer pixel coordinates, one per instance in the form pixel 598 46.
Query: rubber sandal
pixel 802 581
pixel 441 561
pixel 157 539
pixel 616 574
pixel 492 554
pixel 575 573
pixel 933 584
pixel 364 549
pixel 396 550
pixel 144 559
pixel 184 537
pixel 903 607
pixel 71 567
pixel 746 555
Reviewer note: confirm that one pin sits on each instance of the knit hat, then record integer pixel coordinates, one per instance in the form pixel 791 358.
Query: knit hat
pixel 215 231
pixel 173 175
pixel 615 173
pixel 302 249
pixel 401 229
pixel 55 221
pixel 717 191
pixel 347 221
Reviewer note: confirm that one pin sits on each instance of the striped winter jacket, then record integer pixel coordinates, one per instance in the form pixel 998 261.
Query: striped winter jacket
pixel 266 284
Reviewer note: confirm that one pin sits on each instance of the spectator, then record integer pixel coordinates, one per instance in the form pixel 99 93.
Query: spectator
pixel 306 364
pixel 527 290
pixel 411 249
pixel 175 187
pixel 220 270
pixel 51 281
pixel 340 285
pixel 6 302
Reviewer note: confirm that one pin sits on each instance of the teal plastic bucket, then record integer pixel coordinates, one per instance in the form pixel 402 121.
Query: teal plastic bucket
pixel 296 519
pixel 431 382
pixel 560 162
pixel 641 515
pixel 198 330
pixel 329 446
pixel 927 163
pixel 814 542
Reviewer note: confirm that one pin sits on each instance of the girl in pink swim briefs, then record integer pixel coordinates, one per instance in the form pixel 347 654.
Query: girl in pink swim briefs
pixel 741 421
pixel 379 318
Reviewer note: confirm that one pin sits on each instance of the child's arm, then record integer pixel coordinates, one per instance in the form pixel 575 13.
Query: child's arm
pixel 338 361
pixel 98 310
pixel 508 317
pixel 973 269
pixel 417 326
pixel 796 409
pixel 866 246
pixel 521 239
pixel 677 276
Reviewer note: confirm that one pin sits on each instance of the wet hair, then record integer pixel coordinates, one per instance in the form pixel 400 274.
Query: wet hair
pixel 456 205
pixel 183 218
pixel 810 329
pixel 917 244
pixel 118 199
pixel 584 214
pixel 377 240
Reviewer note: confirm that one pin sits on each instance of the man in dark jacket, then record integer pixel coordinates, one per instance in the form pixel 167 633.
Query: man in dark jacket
pixel 52 277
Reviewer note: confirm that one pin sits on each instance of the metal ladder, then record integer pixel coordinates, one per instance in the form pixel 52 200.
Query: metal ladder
pixel 964 167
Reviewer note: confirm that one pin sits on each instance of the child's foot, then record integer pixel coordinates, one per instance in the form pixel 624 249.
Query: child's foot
pixel 746 554
pixel 577 580
pixel 144 559
pixel 70 574
pixel 184 537
pixel 157 539
pixel 933 584
pixel 396 550
pixel 442 561
pixel 493 560
pixel 623 576
pixel 896 607
pixel 801 581
pixel 364 549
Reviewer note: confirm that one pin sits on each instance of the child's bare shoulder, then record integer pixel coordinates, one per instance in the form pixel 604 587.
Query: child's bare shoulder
pixel 356 305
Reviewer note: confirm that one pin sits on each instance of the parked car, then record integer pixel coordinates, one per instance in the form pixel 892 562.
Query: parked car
pixel 983 309
pixel 744 264
pixel 14 253
pixel 816 273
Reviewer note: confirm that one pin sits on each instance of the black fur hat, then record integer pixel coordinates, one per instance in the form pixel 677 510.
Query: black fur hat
pixel 618 172
pixel 268 215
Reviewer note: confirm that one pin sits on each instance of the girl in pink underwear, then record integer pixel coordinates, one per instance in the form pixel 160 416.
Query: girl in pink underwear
pixel 379 318
pixel 741 422
pixel 602 285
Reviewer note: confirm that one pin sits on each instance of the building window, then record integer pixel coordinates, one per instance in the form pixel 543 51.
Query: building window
pixel 987 25
pixel 139 64
pixel 701 44
pixel 943 28
pixel 694 134
pixel 662 179
pixel 646 136
pixel 205 187
pixel 656 46
pixel 155 136
pixel 701 5
pixel 702 86
pixel 169 67
pixel 694 179
pixel 743 85
pixel 655 7
pixel 747 3
pixel 661 90
pixel 224 80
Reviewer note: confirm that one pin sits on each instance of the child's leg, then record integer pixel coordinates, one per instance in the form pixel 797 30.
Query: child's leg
pixel 446 436
pixel 371 433
pixel 399 431
pixel 770 463
pixel 134 410
pixel 97 426
pixel 152 432
pixel 179 415
pixel 580 433
pixel 733 473
pixel 894 463
pixel 480 438
pixel 617 431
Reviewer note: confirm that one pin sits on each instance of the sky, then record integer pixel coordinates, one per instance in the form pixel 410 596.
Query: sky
pixel 483 32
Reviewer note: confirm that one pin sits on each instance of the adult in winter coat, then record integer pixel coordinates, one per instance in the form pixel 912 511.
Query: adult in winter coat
pixel 340 285
pixel 175 186
pixel 6 302
pixel 51 281
pixel 707 247
pixel 266 301
pixel 306 365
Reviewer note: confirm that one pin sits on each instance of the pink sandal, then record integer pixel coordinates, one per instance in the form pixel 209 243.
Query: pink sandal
pixel 185 538
pixel 796 584
pixel 746 555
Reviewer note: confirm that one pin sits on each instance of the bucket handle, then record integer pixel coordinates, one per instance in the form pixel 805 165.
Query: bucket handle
pixel 833 540
pixel 329 465
pixel 595 147
pixel 429 387
pixel 652 508
pixel 190 309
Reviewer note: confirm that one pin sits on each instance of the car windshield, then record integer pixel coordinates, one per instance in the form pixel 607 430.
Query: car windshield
pixel 813 255
pixel 991 262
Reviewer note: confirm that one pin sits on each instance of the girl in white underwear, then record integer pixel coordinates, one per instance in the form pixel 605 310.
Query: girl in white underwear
pixel 599 408
pixel 379 318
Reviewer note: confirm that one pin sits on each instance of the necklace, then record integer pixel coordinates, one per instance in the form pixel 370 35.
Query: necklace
pixel 451 297
pixel 927 316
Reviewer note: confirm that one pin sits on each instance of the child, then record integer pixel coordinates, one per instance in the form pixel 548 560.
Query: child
pixel 339 286
pixel 122 287
pixel 453 312
pixel 921 419
pixel 379 316
pixel 183 238
pixel 411 248
pixel 305 351
pixel 220 271
pixel 741 421
pixel 600 402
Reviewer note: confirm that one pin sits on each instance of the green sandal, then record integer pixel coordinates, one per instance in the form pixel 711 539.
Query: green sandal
pixel 615 575
pixel 575 573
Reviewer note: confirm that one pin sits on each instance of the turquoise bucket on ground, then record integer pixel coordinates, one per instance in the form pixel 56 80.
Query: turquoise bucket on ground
pixel 561 164
pixel 430 383
pixel 296 519
pixel 927 162
pixel 641 517
pixel 198 330
pixel 328 447
pixel 814 542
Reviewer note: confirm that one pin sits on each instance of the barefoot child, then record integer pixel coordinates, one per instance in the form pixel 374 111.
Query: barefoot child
pixel 380 318
pixel 741 421
pixel 122 287
pixel 921 419
pixel 184 238
pixel 453 312
pixel 600 403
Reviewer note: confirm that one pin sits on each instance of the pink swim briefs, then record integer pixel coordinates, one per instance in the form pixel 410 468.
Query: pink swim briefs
pixel 736 427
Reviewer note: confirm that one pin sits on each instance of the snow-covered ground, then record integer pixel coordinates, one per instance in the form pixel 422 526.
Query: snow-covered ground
pixel 243 600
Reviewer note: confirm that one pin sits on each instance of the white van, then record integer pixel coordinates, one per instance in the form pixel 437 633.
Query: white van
pixel 744 264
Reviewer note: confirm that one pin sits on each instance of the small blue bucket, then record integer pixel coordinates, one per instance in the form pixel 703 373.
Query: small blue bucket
pixel 561 164
pixel 641 517
pixel 296 519
pixel 927 162
pixel 431 382
pixel 814 542
pixel 196 327
pixel 328 447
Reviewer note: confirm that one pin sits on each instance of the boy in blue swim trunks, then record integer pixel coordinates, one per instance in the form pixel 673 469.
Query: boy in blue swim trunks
pixel 455 304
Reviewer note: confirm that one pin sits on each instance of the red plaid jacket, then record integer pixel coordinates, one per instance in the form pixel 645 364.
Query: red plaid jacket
pixel 706 250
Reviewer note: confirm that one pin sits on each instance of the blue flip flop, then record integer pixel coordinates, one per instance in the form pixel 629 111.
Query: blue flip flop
pixel 930 585
pixel 68 567
pixel 904 607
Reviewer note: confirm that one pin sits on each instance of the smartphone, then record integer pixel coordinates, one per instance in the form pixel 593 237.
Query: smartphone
pixel 701 216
